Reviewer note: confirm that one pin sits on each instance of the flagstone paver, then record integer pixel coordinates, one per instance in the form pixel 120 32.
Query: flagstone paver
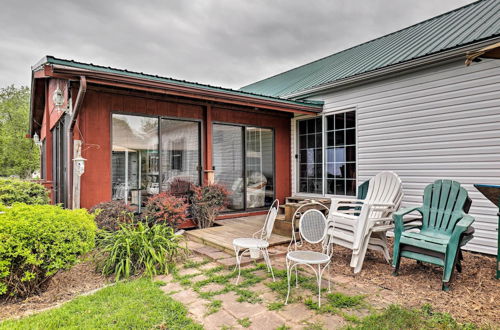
pixel 170 287
pixel 296 313
pixel 212 287
pixel 198 309
pixel 266 320
pixel 188 271
pixel 186 296
pixel 220 319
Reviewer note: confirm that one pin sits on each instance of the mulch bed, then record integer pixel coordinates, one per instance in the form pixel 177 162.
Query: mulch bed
pixel 474 295
pixel 64 286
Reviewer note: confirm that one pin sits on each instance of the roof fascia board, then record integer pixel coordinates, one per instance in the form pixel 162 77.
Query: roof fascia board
pixel 112 79
pixel 396 68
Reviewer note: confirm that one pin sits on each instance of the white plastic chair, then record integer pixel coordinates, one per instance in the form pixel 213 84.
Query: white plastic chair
pixel 312 229
pixel 258 243
pixel 362 224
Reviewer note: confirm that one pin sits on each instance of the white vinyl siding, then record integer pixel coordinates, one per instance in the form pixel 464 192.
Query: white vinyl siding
pixel 437 123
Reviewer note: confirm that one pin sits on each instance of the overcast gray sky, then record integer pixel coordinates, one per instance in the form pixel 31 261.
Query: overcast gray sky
pixel 226 43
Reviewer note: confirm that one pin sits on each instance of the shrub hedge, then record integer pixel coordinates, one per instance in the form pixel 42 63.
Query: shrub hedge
pixel 36 241
pixel 110 215
pixel 21 191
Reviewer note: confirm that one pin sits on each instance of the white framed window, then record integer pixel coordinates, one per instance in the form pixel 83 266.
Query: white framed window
pixel 327 154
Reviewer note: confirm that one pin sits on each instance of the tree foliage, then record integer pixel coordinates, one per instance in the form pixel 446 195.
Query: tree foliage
pixel 18 155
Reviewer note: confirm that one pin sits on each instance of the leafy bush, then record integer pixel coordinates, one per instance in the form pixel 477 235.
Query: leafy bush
pixel 181 188
pixel 36 241
pixel 165 208
pixel 109 215
pixel 138 248
pixel 20 191
pixel 207 201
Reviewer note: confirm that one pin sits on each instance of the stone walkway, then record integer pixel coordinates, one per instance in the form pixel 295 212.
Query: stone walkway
pixel 207 289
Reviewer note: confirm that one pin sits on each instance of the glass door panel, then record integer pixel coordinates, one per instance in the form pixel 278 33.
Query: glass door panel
pixel 259 167
pixel 135 160
pixel 228 162
pixel 180 152
pixel 310 156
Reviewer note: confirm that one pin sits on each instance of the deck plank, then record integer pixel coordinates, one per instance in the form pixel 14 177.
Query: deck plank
pixel 222 236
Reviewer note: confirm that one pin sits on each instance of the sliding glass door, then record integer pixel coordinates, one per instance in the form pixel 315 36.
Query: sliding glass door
pixel 228 162
pixel 135 160
pixel 180 152
pixel 259 162
pixel 243 158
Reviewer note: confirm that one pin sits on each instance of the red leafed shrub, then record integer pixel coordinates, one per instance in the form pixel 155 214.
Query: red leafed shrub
pixel 181 188
pixel 207 201
pixel 110 215
pixel 165 208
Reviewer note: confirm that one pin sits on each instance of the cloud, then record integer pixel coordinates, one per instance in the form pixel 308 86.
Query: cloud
pixel 221 42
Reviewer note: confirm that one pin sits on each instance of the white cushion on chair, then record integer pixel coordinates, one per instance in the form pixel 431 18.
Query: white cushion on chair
pixel 250 243
pixel 308 257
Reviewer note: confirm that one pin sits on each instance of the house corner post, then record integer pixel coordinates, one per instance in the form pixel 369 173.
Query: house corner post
pixel 208 173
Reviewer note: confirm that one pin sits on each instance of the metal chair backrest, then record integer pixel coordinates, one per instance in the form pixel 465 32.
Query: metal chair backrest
pixel 312 226
pixel 267 229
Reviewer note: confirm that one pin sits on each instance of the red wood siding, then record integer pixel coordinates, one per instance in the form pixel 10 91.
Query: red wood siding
pixel 94 125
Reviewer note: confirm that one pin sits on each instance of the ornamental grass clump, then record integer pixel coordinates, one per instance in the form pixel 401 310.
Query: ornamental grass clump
pixel 37 241
pixel 22 191
pixel 166 209
pixel 207 202
pixel 138 249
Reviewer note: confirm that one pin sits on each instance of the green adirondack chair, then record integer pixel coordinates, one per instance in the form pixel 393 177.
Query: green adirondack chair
pixel 443 229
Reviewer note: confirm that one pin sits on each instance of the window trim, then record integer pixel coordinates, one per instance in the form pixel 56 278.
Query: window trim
pixel 296 161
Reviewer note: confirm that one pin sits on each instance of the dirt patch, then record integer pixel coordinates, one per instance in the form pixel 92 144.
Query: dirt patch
pixel 64 286
pixel 474 295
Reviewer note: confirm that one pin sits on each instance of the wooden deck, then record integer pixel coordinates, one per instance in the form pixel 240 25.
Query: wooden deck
pixel 222 236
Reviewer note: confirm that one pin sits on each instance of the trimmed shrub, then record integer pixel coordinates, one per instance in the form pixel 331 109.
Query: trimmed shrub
pixel 37 241
pixel 20 191
pixel 207 201
pixel 110 215
pixel 165 208
pixel 138 248
pixel 181 188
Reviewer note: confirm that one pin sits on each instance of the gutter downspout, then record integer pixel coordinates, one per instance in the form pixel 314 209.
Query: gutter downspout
pixel 69 138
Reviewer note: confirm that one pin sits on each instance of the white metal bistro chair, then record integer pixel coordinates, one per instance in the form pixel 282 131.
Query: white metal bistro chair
pixel 312 229
pixel 258 243
pixel 362 224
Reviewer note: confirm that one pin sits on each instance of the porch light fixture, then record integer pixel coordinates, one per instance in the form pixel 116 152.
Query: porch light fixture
pixel 36 140
pixel 79 165
pixel 58 98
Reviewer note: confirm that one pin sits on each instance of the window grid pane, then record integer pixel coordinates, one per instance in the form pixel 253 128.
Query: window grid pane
pixel 340 155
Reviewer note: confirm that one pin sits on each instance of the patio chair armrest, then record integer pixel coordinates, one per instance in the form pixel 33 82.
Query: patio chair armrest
pixel 462 226
pixel 399 225
pixel 345 203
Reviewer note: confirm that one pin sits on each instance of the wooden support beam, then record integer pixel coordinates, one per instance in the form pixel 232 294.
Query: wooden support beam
pixel 208 175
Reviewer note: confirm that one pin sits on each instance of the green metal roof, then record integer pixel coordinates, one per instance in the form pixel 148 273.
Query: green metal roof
pixel 141 75
pixel 475 22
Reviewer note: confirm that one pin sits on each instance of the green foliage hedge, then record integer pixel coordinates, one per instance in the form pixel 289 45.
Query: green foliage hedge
pixel 36 241
pixel 20 191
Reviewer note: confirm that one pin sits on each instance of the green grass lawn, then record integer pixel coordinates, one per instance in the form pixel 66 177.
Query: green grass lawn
pixel 138 304
pixel 397 317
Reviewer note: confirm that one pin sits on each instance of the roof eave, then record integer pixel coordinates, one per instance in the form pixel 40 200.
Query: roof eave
pixel 118 80
pixel 396 68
